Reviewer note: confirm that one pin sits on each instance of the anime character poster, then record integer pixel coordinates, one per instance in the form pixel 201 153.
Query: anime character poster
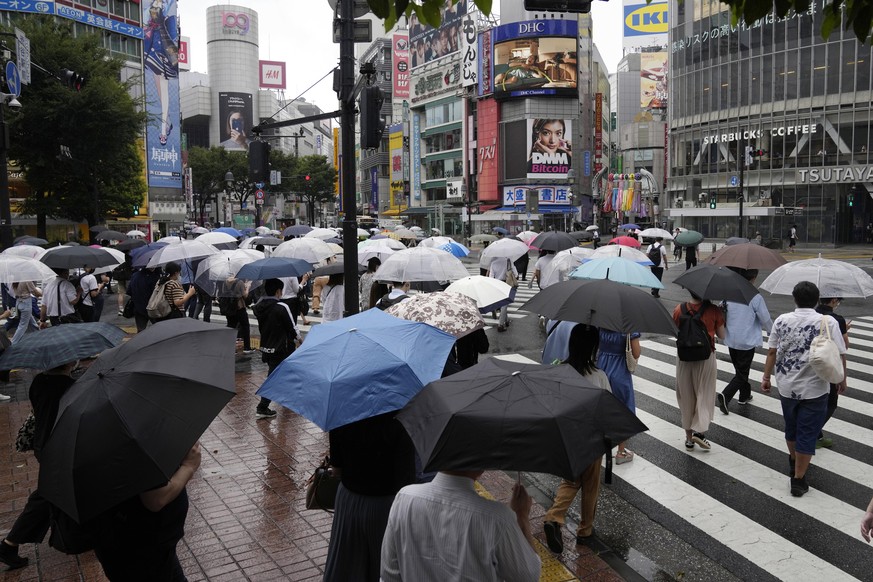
pixel 161 57
pixel 234 120
pixel 427 43
pixel 549 149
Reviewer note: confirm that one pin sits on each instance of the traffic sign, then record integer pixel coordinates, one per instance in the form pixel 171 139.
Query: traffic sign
pixel 259 197
pixel 13 80
pixel 735 181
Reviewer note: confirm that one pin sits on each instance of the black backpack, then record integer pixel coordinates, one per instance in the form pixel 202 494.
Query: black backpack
pixel 654 255
pixel 693 342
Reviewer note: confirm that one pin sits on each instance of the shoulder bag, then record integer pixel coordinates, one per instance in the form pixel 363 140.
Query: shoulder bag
pixel 24 440
pixel 511 278
pixel 321 487
pixel 629 358
pixel 824 356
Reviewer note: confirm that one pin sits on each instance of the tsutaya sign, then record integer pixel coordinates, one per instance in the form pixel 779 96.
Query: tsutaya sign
pixel 834 175
pixel 759 133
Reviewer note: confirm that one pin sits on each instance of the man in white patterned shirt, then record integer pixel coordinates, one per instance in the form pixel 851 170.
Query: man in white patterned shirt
pixel 444 530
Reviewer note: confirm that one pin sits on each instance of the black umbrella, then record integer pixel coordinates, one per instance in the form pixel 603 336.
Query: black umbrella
pixel 297 230
pixel 267 241
pixel 77 257
pixel 130 244
pixel 717 283
pixel 580 235
pixel 126 424
pixel 516 417
pixel 60 344
pixel 110 235
pixel 334 269
pixel 554 241
pixel 605 304
pixel 98 228
pixel 736 240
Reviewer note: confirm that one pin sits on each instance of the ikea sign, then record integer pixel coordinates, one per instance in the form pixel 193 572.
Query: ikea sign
pixel 646 19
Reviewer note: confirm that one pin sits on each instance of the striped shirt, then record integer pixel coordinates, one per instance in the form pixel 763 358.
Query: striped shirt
pixel 443 531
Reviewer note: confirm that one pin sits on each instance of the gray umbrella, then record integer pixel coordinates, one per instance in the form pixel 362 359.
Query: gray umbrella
pixel 77 257
pixel 57 345
pixel 717 283
pixel 127 423
pixel 110 235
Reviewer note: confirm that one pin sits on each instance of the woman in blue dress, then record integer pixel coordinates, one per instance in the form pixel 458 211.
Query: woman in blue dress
pixel 611 360
pixel 162 55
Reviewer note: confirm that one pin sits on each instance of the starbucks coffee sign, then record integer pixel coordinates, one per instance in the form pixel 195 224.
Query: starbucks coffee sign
pixel 851 174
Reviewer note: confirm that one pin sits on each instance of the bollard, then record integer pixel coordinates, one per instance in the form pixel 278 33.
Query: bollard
pixel 713 247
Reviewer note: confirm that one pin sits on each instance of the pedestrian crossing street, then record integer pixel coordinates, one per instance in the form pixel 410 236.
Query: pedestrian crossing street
pixel 733 503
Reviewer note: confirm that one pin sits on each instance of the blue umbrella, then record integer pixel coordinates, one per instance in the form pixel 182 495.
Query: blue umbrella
pixel 229 230
pixel 457 249
pixel 630 226
pixel 297 230
pixel 354 368
pixel 273 267
pixel 139 257
pixel 619 270
pixel 57 345
pixel 500 229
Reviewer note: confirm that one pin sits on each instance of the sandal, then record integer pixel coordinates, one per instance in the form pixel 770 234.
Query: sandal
pixel 625 457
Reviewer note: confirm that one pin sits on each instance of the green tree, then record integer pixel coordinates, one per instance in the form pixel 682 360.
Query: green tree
pixel 319 187
pixel 102 176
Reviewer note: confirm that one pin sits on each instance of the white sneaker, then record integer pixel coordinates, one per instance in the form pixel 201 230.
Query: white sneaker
pixel 4 398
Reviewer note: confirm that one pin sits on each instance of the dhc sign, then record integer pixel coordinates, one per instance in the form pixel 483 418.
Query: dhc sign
pixel 645 19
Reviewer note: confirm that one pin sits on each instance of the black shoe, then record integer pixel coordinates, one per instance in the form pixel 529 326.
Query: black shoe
pixel 799 486
pixel 264 413
pixel 552 530
pixel 746 401
pixel 790 467
pixel 721 402
pixel 9 556
pixel 689 445
pixel 582 540
pixel 700 440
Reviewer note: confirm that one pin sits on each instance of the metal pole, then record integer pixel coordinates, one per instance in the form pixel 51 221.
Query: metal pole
pixel 347 165
pixel 5 210
pixel 741 195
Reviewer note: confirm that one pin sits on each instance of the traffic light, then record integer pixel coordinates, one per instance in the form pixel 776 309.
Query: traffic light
pixel 372 124
pixel 759 153
pixel 72 80
pixel 307 177
pixel 259 161
pixel 712 201
pixel 136 209
pixel 851 199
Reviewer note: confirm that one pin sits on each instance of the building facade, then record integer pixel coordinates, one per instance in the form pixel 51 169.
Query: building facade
pixel 777 108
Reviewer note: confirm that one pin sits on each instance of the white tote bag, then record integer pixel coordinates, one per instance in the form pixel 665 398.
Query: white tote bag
pixel 629 358
pixel 824 356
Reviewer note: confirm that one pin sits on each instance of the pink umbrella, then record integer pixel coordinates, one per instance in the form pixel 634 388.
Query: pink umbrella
pixel 627 241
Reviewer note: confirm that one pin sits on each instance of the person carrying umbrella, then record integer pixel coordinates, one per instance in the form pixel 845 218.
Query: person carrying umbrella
pixel 658 255
pixel 743 325
pixel 543 261
pixel 696 368
pixel 677 248
pixel 25 292
pixel 333 296
pixel 173 291
pixel 690 257
pixel 366 283
pixel 237 314
pixel 61 297
pixel 499 269
pixel 32 524
pixel 142 283
pixel 279 335
pixel 612 359
pixel 583 345
pixel 92 298
pixel 291 288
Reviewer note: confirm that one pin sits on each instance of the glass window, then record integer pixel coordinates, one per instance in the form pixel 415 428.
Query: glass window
pixel 791 32
pixel 849 66
pixel 755 81
pixel 862 71
pixel 804 73
pixel 791 75
pixel 819 69
pixel 768 78
pixel 833 70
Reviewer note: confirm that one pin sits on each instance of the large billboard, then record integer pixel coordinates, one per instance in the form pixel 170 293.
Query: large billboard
pixel 427 43
pixel 653 80
pixel 549 150
pixel 469 51
pixel 161 56
pixel 400 63
pixel 395 149
pixel 645 25
pixel 271 74
pixel 535 58
pixel 234 120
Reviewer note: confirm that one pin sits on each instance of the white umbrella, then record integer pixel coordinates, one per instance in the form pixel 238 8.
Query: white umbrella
pixel 415 228
pixel 382 242
pixel 185 250
pixel 527 236
pixel 274 233
pixel 564 262
pixel 485 291
pixel 171 239
pixel 311 250
pixel 337 250
pixel 363 233
pixel 14 269
pixel 136 234
pixel 622 251
pixel 833 278
pixel 25 251
pixel 656 233
pixel 592 228
pixel 436 231
pixel 505 248
pixel 405 233
pixel 321 233
pixel 435 242
pixel 262 230
pixel 199 230
pixel 422 264
pixel 215 238
pixel 119 256
pixel 374 251
pixel 216 273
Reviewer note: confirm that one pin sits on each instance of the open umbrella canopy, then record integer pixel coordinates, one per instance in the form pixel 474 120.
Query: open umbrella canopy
pixel 505 248
pixel 297 230
pixel 385 242
pixel 217 274
pixel 98 228
pixel 140 256
pixel 321 233
pixel 554 241
pixel 110 235
pixel 78 257
pixel 656 233
pixel 736 240
pixel 618 270
pixel 717 283
pixel 14 269
pixel 592 228
pixel 500 230
pixel 455 249
pixel 629 226
pixel 59 345
pixel 229 230
pixel 185 250
pixel 125 426
pixel 422 264
pixel 30 241
pixel 581 235
pixel 624 252
pixel 560 267
pixel 526 236
pixel 310 250
pixel 454 313
pixel 481 238
pixel 25 251
pixel 516 417
pixel 833 278
pixel 747 256
pixel 626 241
pixel 435 241
pixel 199 230
pixel 489 293
pixel 273 267
pixel 334 268
pixel 262 230
pixel 374 251
pixel 405 233
pixel 215 238
pixel 358 367
pixel 688 238
pixel 604 304
pixel 267 241
pixel 130 244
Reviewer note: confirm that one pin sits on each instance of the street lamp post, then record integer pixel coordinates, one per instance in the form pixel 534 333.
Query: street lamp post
pixel 571 181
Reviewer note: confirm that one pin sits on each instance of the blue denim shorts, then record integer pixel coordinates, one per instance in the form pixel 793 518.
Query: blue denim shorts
pixel 803 421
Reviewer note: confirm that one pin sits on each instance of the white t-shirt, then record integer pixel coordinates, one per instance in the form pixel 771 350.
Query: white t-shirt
pixel 290 287
pixel 51 297
pixel 498 268
pixel 655 245
pixel 792 335
pixel 88 283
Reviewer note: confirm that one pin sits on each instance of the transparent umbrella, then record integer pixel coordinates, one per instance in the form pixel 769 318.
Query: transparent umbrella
pixel 185 250
pixel 833 278
pixel 311 250
pixel 216 274
pixel 505 248
pixel 565 261
pixel 422 264
pixel 14 269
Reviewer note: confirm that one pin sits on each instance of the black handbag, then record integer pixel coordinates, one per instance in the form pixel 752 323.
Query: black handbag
pixel 24 440
pixel 321 487
pixel 128 311
pixel 303 302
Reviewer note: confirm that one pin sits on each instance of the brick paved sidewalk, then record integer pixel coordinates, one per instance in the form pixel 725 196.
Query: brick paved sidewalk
pixel 247 519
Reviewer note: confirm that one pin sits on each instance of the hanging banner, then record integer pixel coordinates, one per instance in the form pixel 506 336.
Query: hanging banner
pixel 485 64
pixel 549 148
pixel 161 57
pixel 400 62
pixel 416 157
pixel 598 131
pixel 469 51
